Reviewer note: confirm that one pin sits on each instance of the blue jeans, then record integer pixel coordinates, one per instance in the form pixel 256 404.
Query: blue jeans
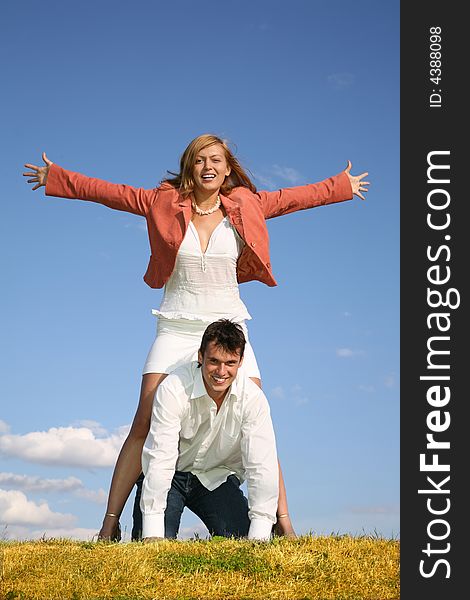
pixel 224 511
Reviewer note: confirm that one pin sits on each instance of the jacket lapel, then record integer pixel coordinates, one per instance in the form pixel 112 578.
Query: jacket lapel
pixel 234 214
pixel 184 204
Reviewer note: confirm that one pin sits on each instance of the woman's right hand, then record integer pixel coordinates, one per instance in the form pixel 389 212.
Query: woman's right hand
pixel 38 174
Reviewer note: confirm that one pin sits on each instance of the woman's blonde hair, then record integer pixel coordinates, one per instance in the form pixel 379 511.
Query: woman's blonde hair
pixel 184 179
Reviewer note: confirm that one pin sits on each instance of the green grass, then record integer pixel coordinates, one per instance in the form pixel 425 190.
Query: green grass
pixel 306 568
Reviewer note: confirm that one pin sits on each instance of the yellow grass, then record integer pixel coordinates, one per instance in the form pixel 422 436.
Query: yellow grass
pixel 313 568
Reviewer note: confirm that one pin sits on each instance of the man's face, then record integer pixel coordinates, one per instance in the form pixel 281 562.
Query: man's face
pixel 219 369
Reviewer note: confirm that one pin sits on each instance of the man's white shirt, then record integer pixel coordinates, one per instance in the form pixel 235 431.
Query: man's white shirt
pixel 188 434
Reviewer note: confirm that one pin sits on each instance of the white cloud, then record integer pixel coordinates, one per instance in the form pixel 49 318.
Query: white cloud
pixel 277 176
pixel 66 446
pixel 344 352
pixel 4 427
pixel 96 496
pixel 340 81
pixel 298 395
pixel 16 509
pixel 33 483
pixel 277 392
pixel 93 426
pixel 264 181
pixel 295 396
pixel 288 174
pixel 262 26
pixel 389 381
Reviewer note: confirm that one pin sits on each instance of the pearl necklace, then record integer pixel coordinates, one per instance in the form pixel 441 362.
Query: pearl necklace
pixel 209 211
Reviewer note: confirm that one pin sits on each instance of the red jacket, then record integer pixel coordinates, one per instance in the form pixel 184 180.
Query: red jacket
pixel 168 214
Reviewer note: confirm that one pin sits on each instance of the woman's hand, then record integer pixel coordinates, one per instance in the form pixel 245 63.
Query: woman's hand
pixel 283 526
pixel 38 174
pixel 357 185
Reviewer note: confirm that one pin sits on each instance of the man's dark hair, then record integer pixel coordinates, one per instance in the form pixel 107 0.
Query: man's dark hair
pixel 227 335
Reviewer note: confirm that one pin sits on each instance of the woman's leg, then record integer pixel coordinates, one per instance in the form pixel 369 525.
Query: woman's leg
pixel 283 525
pixel 129 463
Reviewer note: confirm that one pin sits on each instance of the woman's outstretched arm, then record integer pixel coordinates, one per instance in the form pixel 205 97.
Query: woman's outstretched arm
pixel 339 188
pixel 62 183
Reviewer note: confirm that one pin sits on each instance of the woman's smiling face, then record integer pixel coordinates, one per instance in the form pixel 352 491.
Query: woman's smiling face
pixel 210 168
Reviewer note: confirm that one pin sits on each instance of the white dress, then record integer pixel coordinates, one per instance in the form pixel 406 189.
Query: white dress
pixel 202 288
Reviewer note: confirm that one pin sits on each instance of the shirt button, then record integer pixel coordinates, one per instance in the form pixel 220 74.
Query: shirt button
pixel 253 244
pixel 268 265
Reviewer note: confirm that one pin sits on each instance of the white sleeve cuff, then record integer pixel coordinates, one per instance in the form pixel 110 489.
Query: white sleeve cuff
pixel 153 525
pixel 260 529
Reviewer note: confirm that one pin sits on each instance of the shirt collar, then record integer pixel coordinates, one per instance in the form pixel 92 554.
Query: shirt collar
pixel 199 389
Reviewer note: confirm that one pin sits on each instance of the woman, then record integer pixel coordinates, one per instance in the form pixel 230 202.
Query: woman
pixel 207 233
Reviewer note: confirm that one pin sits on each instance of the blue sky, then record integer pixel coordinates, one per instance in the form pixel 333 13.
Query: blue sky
pixel 117 90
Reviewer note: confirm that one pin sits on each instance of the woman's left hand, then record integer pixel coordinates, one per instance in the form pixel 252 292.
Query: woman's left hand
pixel 357 185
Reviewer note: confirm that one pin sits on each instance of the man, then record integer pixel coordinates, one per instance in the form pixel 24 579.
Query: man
pixel 210 430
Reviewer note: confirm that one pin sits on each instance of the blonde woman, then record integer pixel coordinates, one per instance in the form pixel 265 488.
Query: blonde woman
pixel 207 233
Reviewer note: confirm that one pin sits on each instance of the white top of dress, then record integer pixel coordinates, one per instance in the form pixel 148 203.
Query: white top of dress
pixel 203 285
